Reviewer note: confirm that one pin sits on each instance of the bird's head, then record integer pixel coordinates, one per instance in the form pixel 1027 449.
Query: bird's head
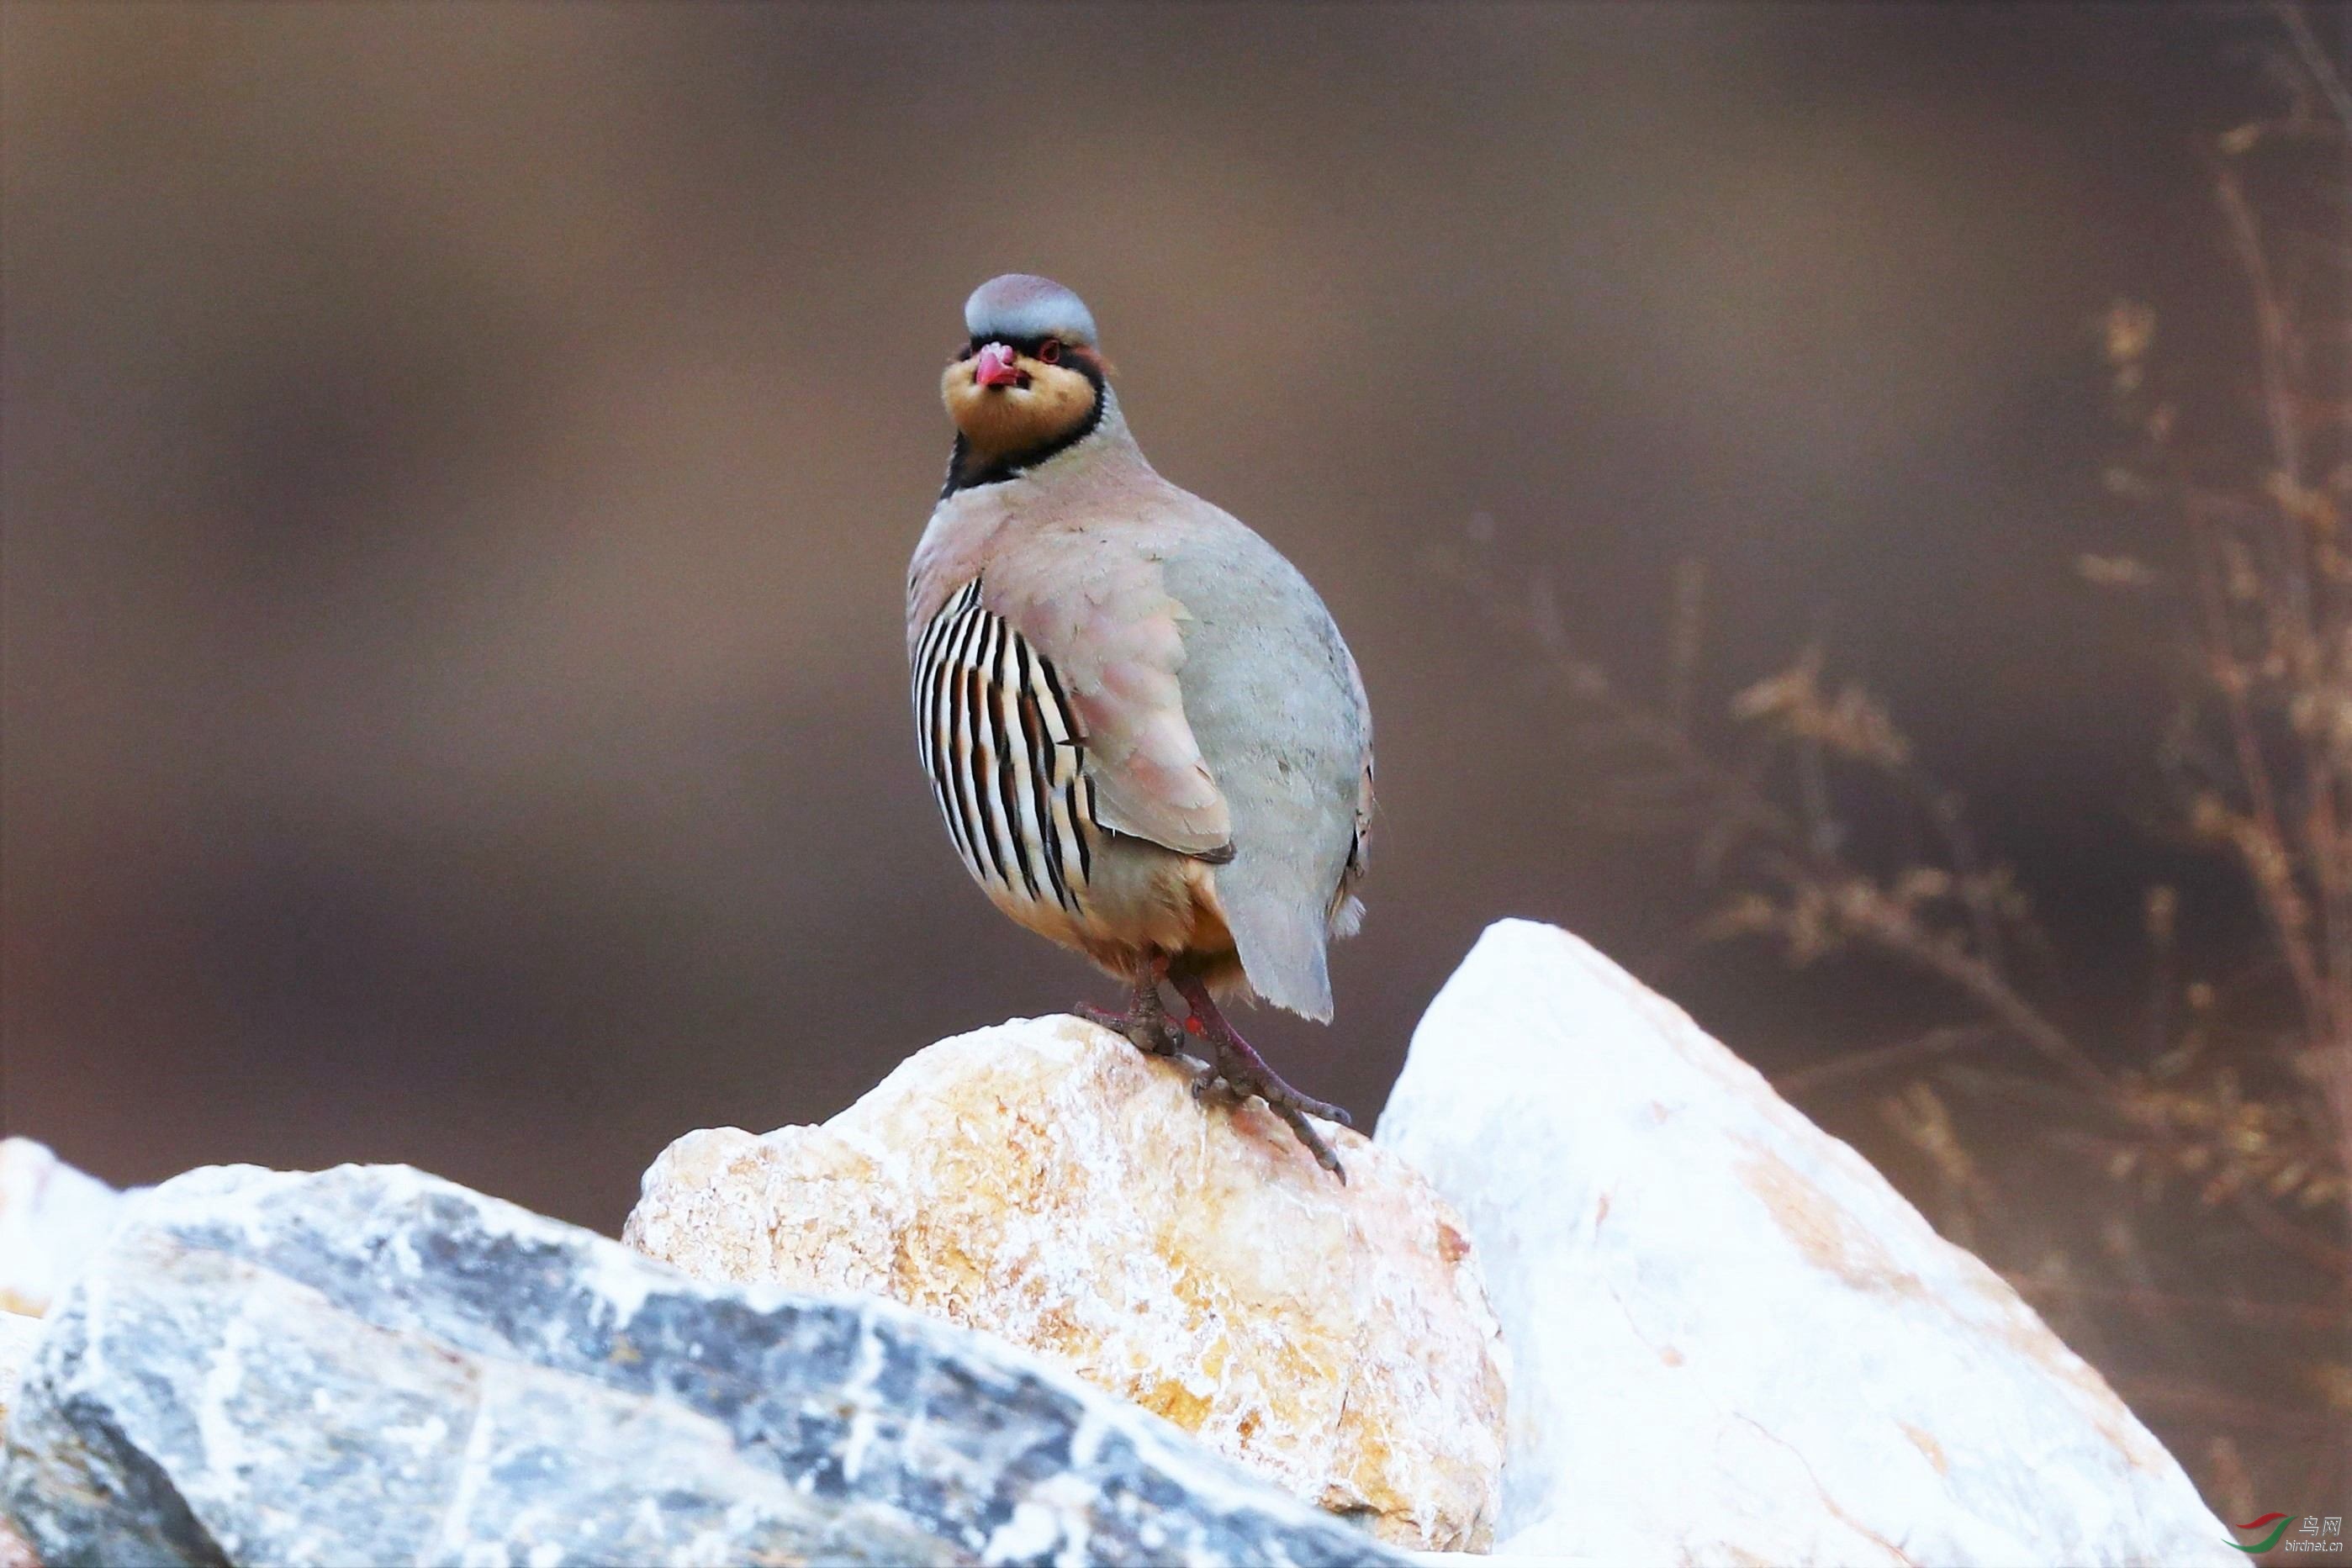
pixel 1027 381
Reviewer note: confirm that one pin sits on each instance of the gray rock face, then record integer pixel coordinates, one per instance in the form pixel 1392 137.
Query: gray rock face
pixel 373 1365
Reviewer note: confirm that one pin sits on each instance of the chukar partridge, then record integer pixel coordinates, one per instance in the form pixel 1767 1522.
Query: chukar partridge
pixel 1146 734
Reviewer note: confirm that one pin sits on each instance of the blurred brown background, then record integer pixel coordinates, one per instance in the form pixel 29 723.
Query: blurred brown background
pixel 459 464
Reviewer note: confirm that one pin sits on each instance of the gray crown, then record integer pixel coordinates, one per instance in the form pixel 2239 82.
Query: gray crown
pixel 1023 304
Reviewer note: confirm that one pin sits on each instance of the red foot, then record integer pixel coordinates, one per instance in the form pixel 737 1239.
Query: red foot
pixel 1193 1025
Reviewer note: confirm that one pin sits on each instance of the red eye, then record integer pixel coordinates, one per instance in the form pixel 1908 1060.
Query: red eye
pixel 1050 352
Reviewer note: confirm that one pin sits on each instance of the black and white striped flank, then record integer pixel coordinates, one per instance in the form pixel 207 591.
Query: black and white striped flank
pixel 1005 755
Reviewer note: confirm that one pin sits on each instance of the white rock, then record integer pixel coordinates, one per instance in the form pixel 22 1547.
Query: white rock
pixel 1732 1341
pixel 53 1219
pixel 1046 1183
pixel 17 1334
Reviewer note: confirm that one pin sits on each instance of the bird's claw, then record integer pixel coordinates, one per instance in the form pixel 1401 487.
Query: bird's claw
pixel 1151 1034
pixel 1233 1082
pixel 1210 1088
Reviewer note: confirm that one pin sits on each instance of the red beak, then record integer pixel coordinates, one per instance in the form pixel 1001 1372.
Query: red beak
pixel 994 367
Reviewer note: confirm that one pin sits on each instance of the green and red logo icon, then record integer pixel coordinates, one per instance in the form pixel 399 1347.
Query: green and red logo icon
pixel 2275 1524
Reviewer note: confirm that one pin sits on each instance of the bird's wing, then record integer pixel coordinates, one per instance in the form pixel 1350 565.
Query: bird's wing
pixel 1098 615
pixel 1279 711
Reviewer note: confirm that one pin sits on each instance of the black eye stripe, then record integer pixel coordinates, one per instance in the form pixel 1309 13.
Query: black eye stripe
pixel 1027 346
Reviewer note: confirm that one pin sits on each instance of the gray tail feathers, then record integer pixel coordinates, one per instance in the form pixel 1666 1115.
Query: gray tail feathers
pixel 1281 944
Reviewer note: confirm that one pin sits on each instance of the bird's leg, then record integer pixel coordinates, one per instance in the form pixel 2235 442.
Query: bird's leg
pixel 1243 1073
pixel 1145 1021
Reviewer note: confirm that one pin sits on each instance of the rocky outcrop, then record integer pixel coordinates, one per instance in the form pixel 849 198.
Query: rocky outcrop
pixel 52 1217
pixel 17 1334
pixel 373 1365
pixel 1732 1340
pixel 1045 1181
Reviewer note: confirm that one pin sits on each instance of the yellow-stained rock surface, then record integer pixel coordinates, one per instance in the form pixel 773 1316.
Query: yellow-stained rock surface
pixel 1045 1182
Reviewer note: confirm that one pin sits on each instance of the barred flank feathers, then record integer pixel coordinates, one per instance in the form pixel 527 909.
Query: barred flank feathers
pixel 1004 752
